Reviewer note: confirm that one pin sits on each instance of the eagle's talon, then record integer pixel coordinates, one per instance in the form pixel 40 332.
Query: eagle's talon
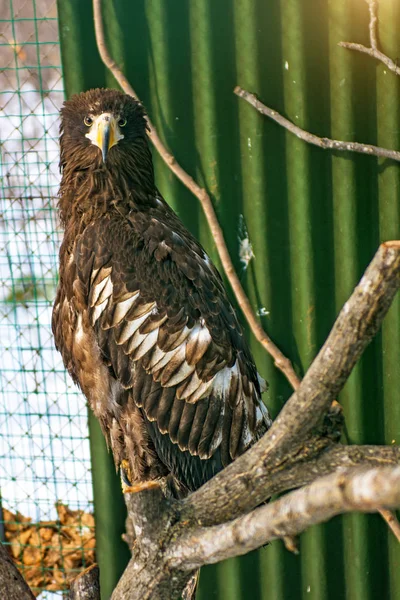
pixel 140 487
pixel 125 474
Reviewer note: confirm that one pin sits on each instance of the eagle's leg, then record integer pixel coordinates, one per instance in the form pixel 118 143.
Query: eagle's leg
pixel 127 487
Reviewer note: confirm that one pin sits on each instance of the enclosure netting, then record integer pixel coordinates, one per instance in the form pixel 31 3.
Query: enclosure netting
pixel 45 479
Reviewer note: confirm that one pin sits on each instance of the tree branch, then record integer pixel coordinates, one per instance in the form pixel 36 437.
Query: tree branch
pixel 12 584
pixel 390 517
pixel 242 486
pixel 344 491
pixel 322 142
pixel 303 469
pixel 86 586
pixel 373 50
pixel 280 360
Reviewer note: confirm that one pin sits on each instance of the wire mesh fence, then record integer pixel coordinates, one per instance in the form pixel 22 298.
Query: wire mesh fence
pixel 45 477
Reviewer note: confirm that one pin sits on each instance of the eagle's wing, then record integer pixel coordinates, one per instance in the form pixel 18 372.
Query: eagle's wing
pixel 169 335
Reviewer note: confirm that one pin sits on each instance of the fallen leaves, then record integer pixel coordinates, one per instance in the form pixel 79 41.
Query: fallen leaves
pixel 51 553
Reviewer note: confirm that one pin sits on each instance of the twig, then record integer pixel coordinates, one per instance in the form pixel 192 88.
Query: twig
pixel 241 486
pixel 349 490
pixel 280 360
pixel 373 39
pixel 390 517
pixel 373 23
pixel 322 142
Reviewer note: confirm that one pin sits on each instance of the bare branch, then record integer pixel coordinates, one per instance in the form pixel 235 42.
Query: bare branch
pixel 374 53
pixel 392 521
pixel 12 584
pixel 306 469
pixel 241 486
pixel 373 38
pixel 280 360
pixel 86 586
pixel 354 489
pixel 322 142
pixel 373 23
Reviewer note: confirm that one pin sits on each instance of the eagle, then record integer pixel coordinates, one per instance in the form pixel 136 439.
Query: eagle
pixel 141 316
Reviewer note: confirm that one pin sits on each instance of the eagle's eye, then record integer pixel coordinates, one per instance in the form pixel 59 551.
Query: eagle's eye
pixel 88 121
pixel 122 122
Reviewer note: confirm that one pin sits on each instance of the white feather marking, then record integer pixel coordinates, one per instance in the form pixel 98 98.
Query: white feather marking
pixel 93 276
pixel 101 291
pixel 135 341
pixel 262 382
pixel 102 274
pixel 184 371
pixel 156 357
pixel 165 357
pixel 121 308
pixel 141 309
pixel 201 392
pixel 177 355
pixel 79 334
pixel 160 358
pixel 246 436
pixel 129 329
pixel 96 291
pixel 191 387
pixel 147 344
pixel 222 380
pixel 185 332
pixel 262 414
pixel 106 291
pixel 201 332
pixel 98 310
pixel 204 339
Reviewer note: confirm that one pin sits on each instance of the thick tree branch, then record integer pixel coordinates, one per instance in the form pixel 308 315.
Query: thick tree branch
pixel 12 584
pixel 241 486
pixel 280 361
pixel 310 138
pixel 304 469
pixel 373 50
pixel 344 491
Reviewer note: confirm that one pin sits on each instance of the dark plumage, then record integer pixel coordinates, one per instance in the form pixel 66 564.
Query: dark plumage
pixel 141 315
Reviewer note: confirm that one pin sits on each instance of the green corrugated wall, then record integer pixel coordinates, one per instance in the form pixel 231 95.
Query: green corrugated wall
pixel 315 218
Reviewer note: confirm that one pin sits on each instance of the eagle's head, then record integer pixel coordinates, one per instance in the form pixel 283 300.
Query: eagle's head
pixel 104 152
pixel 101 127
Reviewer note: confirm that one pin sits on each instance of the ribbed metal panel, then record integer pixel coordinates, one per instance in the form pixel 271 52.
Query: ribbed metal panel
pixel 315 218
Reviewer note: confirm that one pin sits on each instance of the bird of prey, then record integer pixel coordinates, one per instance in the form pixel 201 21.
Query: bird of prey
pixel 141 316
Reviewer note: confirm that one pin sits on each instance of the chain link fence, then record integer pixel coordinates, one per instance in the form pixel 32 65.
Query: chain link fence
pixel 45 476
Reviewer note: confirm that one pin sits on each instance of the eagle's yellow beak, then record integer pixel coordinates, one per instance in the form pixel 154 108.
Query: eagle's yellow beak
pixel 104 133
